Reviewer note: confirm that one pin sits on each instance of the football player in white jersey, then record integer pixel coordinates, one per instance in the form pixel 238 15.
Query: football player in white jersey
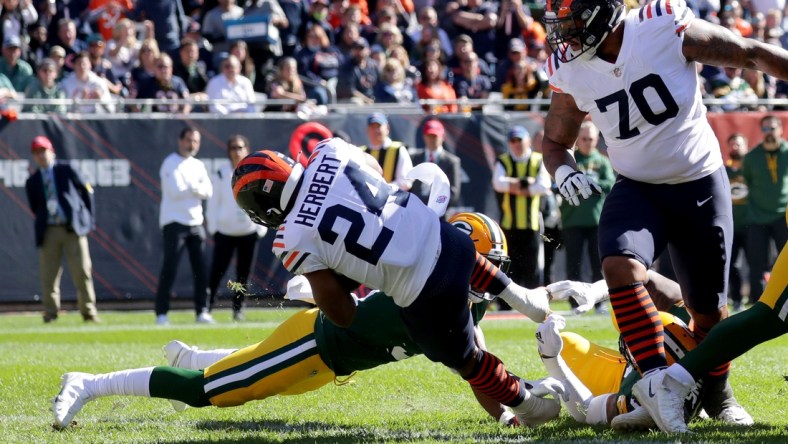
pixel 339 224
pixel 635 73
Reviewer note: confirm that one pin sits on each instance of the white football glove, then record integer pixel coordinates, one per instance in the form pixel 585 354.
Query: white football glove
pixel 572 182
pixel 585 295
pixel 548 386
pixel 548 336
pixel 533 303
pixel 298 289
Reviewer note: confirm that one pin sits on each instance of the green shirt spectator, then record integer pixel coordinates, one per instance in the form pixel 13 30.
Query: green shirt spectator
pixel 12 66
pixel 45 87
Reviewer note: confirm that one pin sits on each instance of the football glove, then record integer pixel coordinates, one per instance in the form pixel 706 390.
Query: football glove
pixel 548 336
pixel 547 386
pixel 533 303
pixel 585 295
pixel 572 183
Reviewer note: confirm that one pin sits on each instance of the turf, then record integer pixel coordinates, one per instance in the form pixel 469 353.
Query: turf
pixel 413 400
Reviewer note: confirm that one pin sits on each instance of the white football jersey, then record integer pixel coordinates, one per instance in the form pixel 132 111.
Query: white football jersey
pixel 348 219
pixel 648 103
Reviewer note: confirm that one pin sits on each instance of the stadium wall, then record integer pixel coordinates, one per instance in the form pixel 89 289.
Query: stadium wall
pixel 121 157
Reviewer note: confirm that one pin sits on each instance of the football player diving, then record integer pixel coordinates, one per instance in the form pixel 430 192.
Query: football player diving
pixel 315 352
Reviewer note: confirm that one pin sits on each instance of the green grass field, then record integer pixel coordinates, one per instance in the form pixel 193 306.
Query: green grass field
pixel 413 400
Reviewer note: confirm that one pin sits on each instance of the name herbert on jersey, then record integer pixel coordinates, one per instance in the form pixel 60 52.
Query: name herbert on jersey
pixel 318 189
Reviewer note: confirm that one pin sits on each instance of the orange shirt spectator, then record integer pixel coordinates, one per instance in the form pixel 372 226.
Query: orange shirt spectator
pixel 433 86
pixel 107 13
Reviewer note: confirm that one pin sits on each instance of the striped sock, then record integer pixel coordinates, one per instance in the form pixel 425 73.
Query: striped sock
pixel 720 371
pixel 640 325
pixel 489 376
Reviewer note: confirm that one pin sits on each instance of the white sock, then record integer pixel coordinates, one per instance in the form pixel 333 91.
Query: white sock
pixel 579 395
pixel 524 408
pixel 681 375
pixel 201 359
pixel 134 382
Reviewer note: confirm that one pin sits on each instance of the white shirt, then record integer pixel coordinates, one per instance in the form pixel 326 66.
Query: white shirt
pixel 240 91
pixel 539 187
pixel 222 214
pixel 77 89
pixel 664 136
pixel 387 240
pixel 184 185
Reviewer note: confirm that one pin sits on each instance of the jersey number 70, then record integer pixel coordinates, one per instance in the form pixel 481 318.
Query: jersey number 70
pixel 637 91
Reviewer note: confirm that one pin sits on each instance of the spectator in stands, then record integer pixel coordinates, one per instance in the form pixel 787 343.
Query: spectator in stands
pixel 84 84
pixel 286 84
pixel 739 95
pixel 336 11
pixel 397 12
pixel 12 66
pixel 471 83
pixel 316 16
pixel 38 47
pixel 429 28
pixel 295 11
pixel 463 45
pixel 358 76
pixel 412 74
pixel 6 91
pixel 146 69
pixel 513 18
pixel 64 212
pixel 737 149
pixel 234 233
pixel 392 155
pixel 434 86
pixel 388 37
pixel 164 86
pixel 207 55
pixel 773 27
pixel 45 87
pixel 67 39
pixel 15 17
pixel 58 54
pixel 190 68
pixel 102 67
pixel 732 16
pixel 536 50
pixel 765 172
pixel 231 85
pixel 168 20
pixel 435 152
pixel 523 83
pixel 184 185
pixel 47 12
pixel 318 64
pixel 377 54
pixel 265 52
pixel 503 69
pixel 123 49
pixel 213 24
pixel 103 15
pixel 392 86
pixel 764 6
pixel 240 49
pixel 580 223
pixel 429 50
pixel 346 38
pixel 477 19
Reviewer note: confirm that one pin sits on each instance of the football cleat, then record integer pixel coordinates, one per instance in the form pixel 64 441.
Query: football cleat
pixel 719 403
pixel 162 319
pixel 205 318
pixel 636 420
pixel 663 397
pixel 72 397
pixel 535 411
pixel 178 355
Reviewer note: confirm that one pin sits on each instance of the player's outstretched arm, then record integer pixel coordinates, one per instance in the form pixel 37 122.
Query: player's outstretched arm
pixel 332 296
pixel 711 44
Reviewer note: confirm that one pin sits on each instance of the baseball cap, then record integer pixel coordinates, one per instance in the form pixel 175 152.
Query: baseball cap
pixel 434 127
pixel 360 42
pixel 516 45
pixel 94 38
pixel 378 118
pixel 12 41
pixel 41 142
pixel 519 132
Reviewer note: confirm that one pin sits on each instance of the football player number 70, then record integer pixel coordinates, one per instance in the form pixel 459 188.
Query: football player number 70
pixel 361 181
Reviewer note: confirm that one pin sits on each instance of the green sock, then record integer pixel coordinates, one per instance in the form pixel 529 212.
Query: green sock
pixel 179 384
pixel 733 337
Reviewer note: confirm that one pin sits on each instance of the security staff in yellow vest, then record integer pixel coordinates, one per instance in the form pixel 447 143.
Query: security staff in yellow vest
pixel 392 155
pixel 520 179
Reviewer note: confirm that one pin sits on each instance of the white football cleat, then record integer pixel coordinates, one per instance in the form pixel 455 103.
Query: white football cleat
pixel 72 397
pixel 178 355
pixel 205 318
pixel 663 397
pixel 636 420
pixel 539 411
pixel 735 414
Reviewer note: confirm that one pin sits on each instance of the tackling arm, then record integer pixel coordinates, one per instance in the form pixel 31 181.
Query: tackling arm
pixel 332 296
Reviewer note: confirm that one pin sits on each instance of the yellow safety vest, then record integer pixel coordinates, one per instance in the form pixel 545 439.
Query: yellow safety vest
pixel 389 161
pixel 520 212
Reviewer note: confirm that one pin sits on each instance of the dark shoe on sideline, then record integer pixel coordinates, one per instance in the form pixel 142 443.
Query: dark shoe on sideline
pixel 49 318
pixel 92 318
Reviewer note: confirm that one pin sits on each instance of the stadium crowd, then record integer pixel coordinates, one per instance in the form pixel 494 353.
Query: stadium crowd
pixel 313 52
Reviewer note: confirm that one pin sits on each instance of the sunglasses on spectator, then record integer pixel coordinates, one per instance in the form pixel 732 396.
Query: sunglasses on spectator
pixel 237 147
pixel 769 129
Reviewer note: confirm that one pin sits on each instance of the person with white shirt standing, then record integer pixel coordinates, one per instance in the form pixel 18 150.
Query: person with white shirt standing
pixel 232 230
pixel 84 84
pixel 184 185
pixel 231 85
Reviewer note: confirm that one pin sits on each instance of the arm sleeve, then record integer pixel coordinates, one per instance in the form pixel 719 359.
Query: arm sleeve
pixel 172 184
pixel 487 278
pixel 202 187
pixel 500 184
pixel 607 177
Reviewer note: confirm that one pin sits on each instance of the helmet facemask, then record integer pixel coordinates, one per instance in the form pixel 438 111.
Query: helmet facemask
pixel 583 22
